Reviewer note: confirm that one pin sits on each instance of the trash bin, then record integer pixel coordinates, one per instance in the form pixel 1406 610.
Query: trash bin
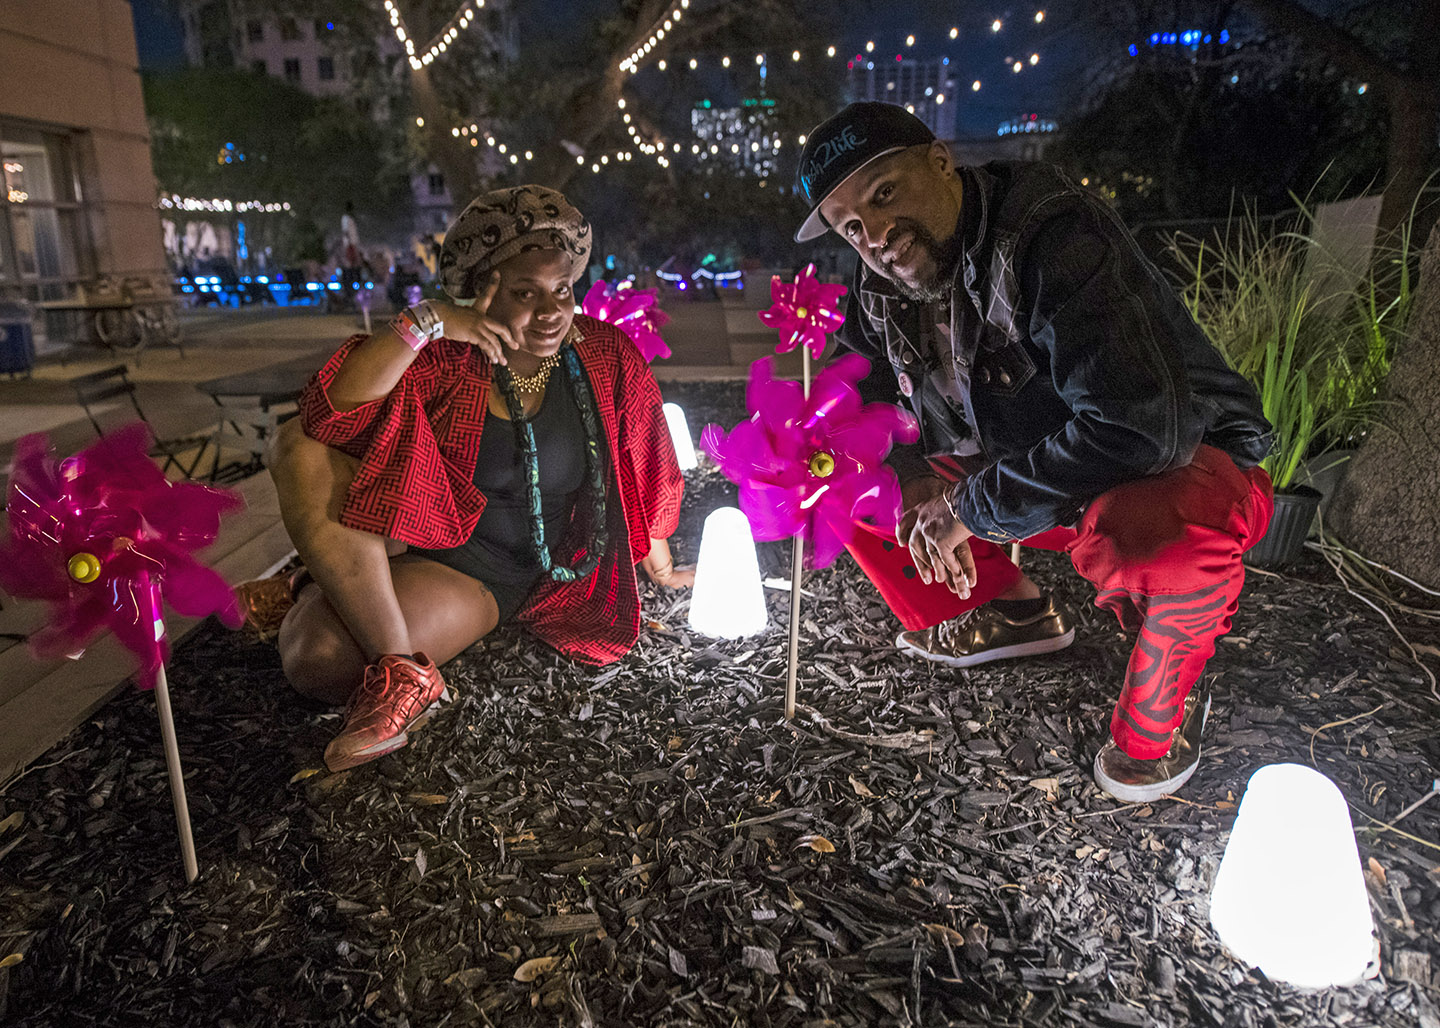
pixel 17 338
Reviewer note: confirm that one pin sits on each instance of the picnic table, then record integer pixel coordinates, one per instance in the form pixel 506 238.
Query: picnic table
pixel 126 318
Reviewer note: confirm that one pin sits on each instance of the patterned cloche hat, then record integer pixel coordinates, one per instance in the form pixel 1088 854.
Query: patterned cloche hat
pixel 504 223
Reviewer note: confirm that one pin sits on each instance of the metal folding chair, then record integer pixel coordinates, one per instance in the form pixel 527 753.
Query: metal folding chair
pixel 245 429
pixel 112 383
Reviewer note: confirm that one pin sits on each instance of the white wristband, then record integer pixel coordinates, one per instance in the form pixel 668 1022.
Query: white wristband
pixel 428 319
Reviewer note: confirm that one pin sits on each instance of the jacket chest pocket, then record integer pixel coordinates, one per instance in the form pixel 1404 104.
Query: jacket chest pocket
pixel 1004 370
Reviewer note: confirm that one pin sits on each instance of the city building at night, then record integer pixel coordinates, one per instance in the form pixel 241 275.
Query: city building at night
pixel 740 139
pixel 1024 137
pixel 79 197
pixel 925 88
pixel 292 48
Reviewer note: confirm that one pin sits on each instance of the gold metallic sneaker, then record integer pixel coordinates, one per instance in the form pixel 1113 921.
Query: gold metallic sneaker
pixel 265 602
pixel 1138 781
pixel 984 634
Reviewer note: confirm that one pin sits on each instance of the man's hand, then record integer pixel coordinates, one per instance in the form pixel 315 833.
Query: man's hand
pixel 918 490
pixel 939 544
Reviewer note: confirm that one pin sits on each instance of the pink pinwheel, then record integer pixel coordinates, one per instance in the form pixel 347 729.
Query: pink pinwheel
pixel 803 311
pixel 812 466
pixel 633 311
pixel 100 536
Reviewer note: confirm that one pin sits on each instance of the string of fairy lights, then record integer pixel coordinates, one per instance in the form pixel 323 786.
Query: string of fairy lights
pixel 655 146
pixel 671 19
pixel 650 149
pixel 866 56
pixel 458 23
pixel 176 202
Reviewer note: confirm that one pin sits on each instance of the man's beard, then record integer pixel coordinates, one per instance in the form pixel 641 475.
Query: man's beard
pixel 944 256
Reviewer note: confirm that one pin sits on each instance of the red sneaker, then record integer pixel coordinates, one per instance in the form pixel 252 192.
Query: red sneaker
pixel 397 697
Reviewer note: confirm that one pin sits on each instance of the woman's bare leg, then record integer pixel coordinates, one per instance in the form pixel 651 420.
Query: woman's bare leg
pixel 351 567
pixel 445 610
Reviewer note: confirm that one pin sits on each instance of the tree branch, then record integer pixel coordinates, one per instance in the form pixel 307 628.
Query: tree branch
pixel 1359 58
pixel 593 108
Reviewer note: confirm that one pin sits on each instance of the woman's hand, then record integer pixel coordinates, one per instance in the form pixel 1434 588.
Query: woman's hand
pixel 672 577
pixel 659 564
pixel 473 325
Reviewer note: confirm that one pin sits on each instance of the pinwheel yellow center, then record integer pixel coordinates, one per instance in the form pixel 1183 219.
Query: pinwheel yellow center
pixel 822 465
pixel 802 313
pixel 84 567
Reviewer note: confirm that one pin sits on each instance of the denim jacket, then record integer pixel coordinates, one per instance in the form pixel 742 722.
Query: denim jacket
pixel 1079 367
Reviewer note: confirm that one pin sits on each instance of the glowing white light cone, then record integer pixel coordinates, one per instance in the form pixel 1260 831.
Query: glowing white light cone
pixel 728 600
pixel 680 436
pixel 1289 897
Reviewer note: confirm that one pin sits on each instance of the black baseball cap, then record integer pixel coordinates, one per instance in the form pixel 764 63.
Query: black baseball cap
pixel 843 144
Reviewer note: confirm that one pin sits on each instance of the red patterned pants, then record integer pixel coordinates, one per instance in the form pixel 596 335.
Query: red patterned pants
pixel 1164 556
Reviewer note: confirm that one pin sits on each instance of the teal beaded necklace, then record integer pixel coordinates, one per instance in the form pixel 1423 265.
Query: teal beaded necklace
pixel 594 470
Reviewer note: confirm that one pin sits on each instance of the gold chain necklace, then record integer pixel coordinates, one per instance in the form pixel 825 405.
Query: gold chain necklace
pixel 536 383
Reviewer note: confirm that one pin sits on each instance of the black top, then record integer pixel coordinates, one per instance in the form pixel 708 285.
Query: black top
pixel 498 552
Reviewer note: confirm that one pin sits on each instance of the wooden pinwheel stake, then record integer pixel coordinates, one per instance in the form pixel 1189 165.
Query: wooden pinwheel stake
pixel 803 311
pixel 98 537
pixel 797 569
pixel 809 459
pixel 169 741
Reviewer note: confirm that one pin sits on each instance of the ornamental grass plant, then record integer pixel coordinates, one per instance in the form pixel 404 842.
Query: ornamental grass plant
pixel 1316 351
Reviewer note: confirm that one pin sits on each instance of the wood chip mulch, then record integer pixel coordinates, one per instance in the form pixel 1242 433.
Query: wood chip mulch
pixel 652 844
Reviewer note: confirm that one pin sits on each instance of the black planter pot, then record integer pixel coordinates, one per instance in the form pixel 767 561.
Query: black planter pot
pixel 1294 511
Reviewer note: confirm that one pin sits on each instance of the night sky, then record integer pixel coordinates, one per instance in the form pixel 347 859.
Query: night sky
pixel 979 53
pixel 157 34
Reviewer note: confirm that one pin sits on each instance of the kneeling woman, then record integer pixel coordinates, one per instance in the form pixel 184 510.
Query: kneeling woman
pixel 519 451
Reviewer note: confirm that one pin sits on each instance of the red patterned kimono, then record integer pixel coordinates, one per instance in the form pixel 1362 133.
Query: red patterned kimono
pixel 416 481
